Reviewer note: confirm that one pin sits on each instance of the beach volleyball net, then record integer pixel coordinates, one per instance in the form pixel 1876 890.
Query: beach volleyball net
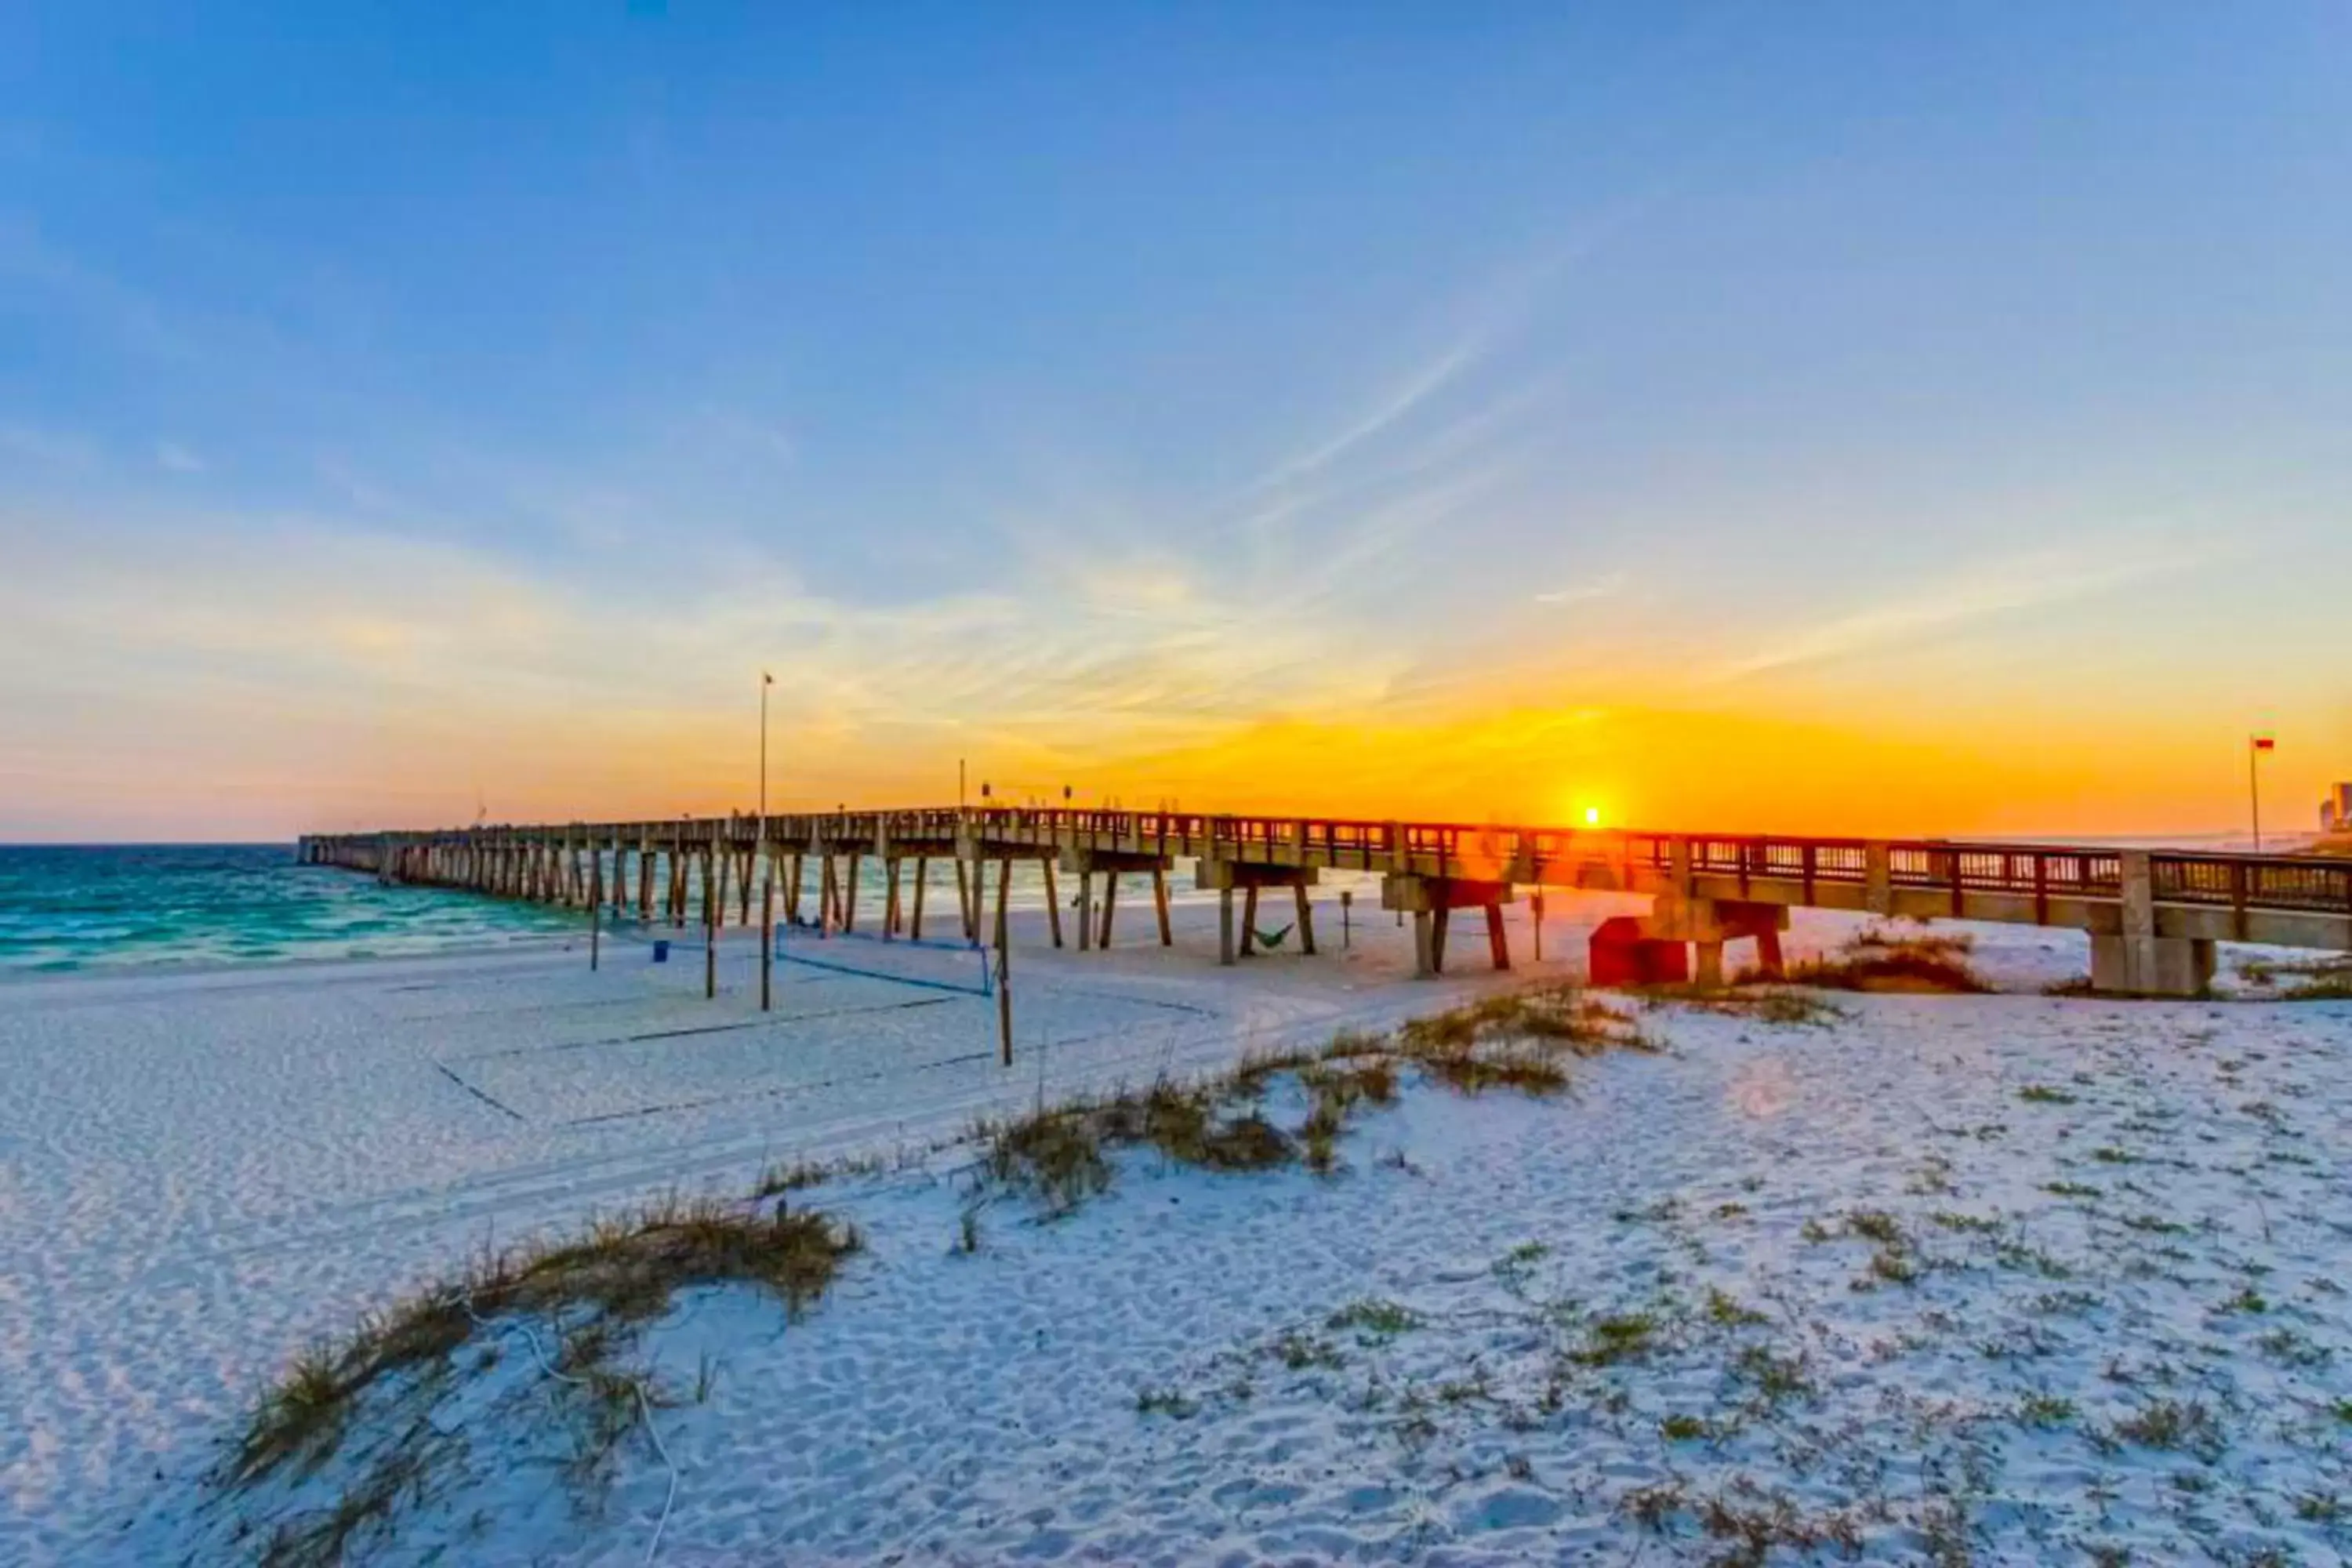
pixel 959 968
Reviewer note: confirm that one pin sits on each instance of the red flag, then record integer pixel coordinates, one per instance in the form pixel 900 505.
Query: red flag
pixel 2265 743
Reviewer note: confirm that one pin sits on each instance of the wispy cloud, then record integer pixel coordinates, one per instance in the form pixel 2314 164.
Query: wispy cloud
pixel 180 459
pixel 450 641
pixel 1413 460
pixel 1416 388
pixel 1500 307
pixel 1603 587
pixel 1987 592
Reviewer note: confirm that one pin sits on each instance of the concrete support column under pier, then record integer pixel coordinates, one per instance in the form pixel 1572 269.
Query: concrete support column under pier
pixel 1682 940
pixel 2134 961
pixel 1432 900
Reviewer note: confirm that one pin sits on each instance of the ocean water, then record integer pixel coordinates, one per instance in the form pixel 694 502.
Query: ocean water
pixel 65 908
pixel 71 907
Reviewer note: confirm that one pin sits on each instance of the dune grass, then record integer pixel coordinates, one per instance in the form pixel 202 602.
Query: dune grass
pixel 2327 979
pixel 1523 1041
pixel 1880 958
pixel 395 1407
pixel 1755 997
pixel 591 1293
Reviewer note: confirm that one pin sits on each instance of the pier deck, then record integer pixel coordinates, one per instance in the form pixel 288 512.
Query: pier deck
pixel 2152 915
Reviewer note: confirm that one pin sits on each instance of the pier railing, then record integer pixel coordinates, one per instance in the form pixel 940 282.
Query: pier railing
pixel 2315 884
pixel 1794 866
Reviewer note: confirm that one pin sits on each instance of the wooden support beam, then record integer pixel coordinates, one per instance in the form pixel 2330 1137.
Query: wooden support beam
pixel 849 896
pixel 1159 902
pixel 1224 925
pixel 1249 921
pixel 1497 944
pixel 1004 968
pixel 768 941
pixel 1085 911
pixel 922 880
pixel 963 898
pixel 1305 921
pixel 1052 901
pixel 709 927
pixel 1110 906
pixel 889 897
pixel 595 915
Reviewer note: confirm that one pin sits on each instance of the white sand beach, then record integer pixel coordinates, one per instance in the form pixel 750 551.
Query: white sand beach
pixel 2087 1211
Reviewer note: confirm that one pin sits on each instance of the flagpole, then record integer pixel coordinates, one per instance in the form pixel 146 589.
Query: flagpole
pixel 2255 784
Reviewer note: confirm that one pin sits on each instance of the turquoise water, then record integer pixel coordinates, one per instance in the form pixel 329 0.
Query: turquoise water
pixel 68 908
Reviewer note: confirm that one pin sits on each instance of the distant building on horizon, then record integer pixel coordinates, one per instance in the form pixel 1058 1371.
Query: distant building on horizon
pixel 2335 811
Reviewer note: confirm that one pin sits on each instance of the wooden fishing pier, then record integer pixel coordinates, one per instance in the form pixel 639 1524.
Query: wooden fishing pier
pixel 2153 916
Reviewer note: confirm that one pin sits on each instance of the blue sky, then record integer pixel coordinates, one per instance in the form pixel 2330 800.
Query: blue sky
pixel 408 407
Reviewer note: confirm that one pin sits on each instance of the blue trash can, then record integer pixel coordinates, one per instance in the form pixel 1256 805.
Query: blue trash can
pixel 661 950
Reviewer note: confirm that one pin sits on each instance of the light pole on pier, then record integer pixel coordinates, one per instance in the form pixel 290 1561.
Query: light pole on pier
pixel 766 681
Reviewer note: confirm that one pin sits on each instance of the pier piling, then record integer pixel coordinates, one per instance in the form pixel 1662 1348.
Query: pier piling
pixel 2152 917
